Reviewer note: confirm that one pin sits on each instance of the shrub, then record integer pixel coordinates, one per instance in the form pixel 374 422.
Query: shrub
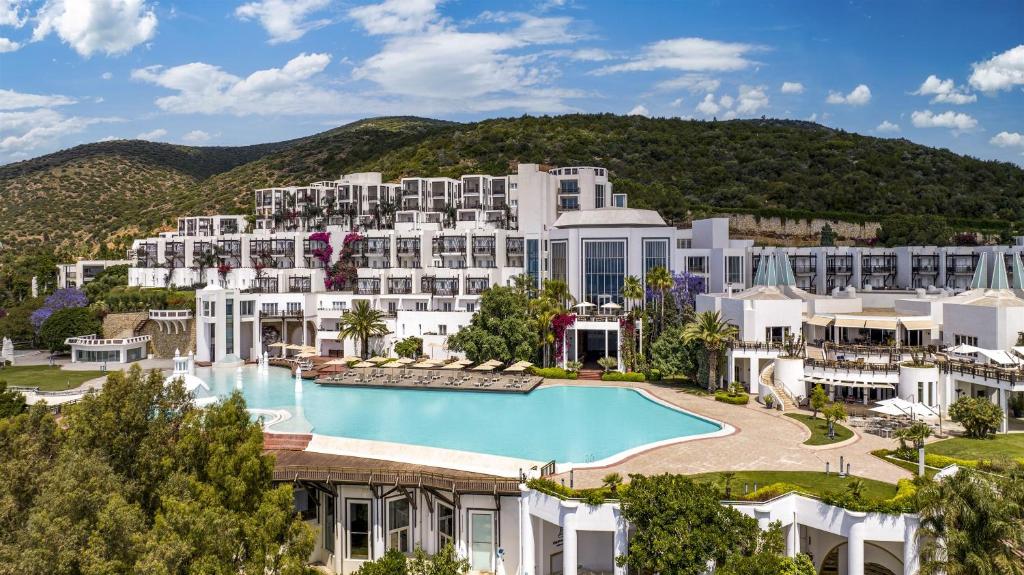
pixel 619 376
pixel 979 416
pixel 737 399
pixel 553 373
pixel 770 491
pixel 411 347
pixel 65 323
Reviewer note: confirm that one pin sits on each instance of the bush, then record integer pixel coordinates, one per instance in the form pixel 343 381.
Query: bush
pixel 979 416
pixel 737 399
pixel 65 323
pixel 653 374
pixel 619 376
pixel 771 491
pixel 411 347
pixel 553 373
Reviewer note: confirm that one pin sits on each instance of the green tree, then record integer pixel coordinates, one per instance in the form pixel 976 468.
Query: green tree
pixel 444 562
pixel 969 525
pixel 65 323
pixel 680 526
pixel 362 323
pixel 671 358
pixel 915 230
pixel 660 280
pixel 828 235
pixel 710 330
pixel 979 416
pixel 11 402
pixel 502 328
pixel 767 558
pixel 553 299
pixel 114 276
pixel 392 563
pixel 632 291
pixel 411 347
pixel 915 434
pixel 818 400
pixel 833 413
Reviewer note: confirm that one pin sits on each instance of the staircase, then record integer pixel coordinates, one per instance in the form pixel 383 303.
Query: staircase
pixel 589 374
pixel 286 441
pixel 780 393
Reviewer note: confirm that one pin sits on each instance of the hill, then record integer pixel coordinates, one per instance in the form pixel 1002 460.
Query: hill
pixel 108 192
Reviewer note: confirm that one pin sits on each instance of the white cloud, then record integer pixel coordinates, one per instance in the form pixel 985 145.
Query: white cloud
pixel 8 45
pixel 284 20
pixel 693 83
pixel 639 110
pixel 29 130
pixel 88 26
pixel 152 135
pixel 11 100
pixel 944 91
pixel 751 99
pixel 887 127
pixel 590 55
pixel 707 106
pixel 11 14
pixel 1002 72
pixel 106 75
pixel 1007 139
pixel 792 88
pixel 394 17
pixel 857 97
pixel 958 122
pixel 688 54
pixel 196 137
pixel 676 103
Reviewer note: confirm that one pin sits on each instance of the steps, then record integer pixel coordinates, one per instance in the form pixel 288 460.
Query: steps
pixel 589 374
pixel 768 379
pixel 286 441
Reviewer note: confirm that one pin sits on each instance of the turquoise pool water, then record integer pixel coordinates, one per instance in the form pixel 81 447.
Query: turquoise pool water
pixel 564 423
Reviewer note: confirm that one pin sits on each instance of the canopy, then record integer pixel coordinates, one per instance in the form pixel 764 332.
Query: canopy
pixel 857 322
pixel 820 320
pixel 963 349
pixel 999 356
pixel 611 305
pixel 306 354
pixel 584 304
pixel 364 364
pixel 424 365
pixel 876 323
pixel 486 366
pixel 278 344
pixel 913 323
pixel 522 363
pixel 391 363
pixel 515 368
pixel 405 360
pixel 850 384
pixel 900 407
pixel 453 365
pixel 377 359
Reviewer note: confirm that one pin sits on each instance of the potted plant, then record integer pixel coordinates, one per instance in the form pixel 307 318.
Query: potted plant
pixel 769 401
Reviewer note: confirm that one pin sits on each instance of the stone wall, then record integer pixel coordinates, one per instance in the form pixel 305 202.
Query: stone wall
pixel 163 344
pixel 750 225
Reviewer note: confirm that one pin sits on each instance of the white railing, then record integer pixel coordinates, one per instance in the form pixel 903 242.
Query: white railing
pixel 176 314
pixel 91 340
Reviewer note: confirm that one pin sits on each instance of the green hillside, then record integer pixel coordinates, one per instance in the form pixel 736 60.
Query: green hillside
pixel 85 198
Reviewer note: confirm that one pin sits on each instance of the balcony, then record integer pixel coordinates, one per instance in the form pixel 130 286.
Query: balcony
pixel 400 286
pixel 439 286
pixel 483 246
pixel 842 265
pixel 300 285
pixel 454 245
pixel 476 286
pixel 368 286
pixel 408 248
pixel 514 247
pixel 263 285
pixel 283 248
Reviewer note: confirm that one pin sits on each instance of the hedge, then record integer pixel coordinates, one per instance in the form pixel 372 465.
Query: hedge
pixel 553 373
pixel 726 397
pixel 619 376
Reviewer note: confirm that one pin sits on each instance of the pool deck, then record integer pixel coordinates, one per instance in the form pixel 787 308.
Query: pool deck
pixel 435 379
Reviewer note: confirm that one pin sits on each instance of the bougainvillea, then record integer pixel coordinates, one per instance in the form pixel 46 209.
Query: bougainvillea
pixel 559 324
pixel 60 299
pixel 323 250
pixel 627 335
pixel 223 270
pixel 344 273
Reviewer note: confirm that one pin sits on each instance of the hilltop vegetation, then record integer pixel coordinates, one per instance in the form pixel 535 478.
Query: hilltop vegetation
pixel 93 199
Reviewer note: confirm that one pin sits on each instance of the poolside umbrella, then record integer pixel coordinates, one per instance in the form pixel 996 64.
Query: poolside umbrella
pixel 584 304
pixel 425 365
pixel 405 360
pixel 489 365
pixel 351 358
pixel 515 368
pixel 308 348
pixel 377 359
pixel 453 365
pixel 464 362
pixel 390 363
pixel 523 363
pixel 611 305
pixel 306 354
pixel 364 364
pixel 337 362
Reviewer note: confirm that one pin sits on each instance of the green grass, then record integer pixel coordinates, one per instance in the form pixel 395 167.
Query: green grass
pixel 1009 445
pixel 45 377
pixel 684 384
pixel 819 430
pixel 812 482
pixel 929 472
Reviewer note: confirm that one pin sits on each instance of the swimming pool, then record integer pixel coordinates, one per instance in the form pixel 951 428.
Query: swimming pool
pixel 575 424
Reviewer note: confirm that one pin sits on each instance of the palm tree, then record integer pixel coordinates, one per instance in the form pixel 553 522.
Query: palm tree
pixel 203 262
pixel 970 524
pixel 362 323
pixel 713 332
pixel 553 299
pixel 632 289
pixel 660 280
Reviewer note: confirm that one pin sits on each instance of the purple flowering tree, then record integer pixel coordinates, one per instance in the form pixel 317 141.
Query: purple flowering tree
pixel 60 299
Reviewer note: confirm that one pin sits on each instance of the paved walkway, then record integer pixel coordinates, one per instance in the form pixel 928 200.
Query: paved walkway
pixel 764 439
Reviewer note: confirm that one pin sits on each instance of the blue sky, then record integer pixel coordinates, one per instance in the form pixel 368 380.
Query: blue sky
pixel 229 72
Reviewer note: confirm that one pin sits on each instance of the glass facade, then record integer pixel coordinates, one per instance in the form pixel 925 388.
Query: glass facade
pixel 734 269
pixel 655 255
pixel 229 331
pixel 598 195
pixel 559 260
pixel 604 268
pixel 533 260
pixel 358 530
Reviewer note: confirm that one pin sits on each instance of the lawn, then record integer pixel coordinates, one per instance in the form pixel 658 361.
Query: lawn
pixel 910 466
pixel 684 384
pixel 1009 445
pixel 819 430
pixel 46 378
pixel 813 482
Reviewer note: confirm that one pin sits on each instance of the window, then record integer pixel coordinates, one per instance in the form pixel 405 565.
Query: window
pixel 619 200
pixel 294 307
pixel 229 331
pixel 683 243
pixel 598 195
pixel 421 306
pixel 697 265
pixel 329 515
pixel 392 307
pixel 442 329
pixel 445 525
pixel 655 255
pixel 471 307
pixel 965 340
pixel 268 309
pixel 604 267
pixel 481 541
pixel 734 269
pixel 569 187
pixel 571 203
pixel 358 518
pixel 533 260
pixel 398 525
pixel 559 259
pixel 246 307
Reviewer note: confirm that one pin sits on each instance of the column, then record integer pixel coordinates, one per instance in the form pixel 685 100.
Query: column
pixel 378 529
pixel 793 540
pixel 1004 423
pixel 569 545
pixel 855 547
pixel 754 374
pixel 730 366
pixel 528 557
pixel 911 549
pixel 621 542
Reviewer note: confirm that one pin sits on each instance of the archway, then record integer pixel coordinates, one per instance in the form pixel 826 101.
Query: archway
pixel 830 565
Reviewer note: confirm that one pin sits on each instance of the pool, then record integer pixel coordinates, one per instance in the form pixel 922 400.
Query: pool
pixel 574 424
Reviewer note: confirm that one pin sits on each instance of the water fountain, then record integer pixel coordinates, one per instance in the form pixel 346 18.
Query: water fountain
pixel 298 380
pixel 238 378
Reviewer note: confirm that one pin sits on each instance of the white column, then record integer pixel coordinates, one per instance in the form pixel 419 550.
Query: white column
pixel 528 557
pixel 911 549
pixel 730 367
pixel 378 529
pixel 755 374
pixel 338 542
pixel 569 545
pixel 1004 423
pixel 621 542
pixel 855 548
pixel 793 541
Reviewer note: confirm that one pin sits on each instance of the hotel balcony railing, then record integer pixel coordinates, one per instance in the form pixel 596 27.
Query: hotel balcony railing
pixel 805 269
pixel 756 345
pixel 476 286
pixel 998 374
pixel 399 287
pixel 275 312
pixel 960 269
pixel 878 268
pixel 229 227
pixel 514 246
pixel 300 285
pixel 861 366
pixel 439 286
pixel 281 249
pixel 368 287
pixel 264 285
pixel 484 248
pixel 449 245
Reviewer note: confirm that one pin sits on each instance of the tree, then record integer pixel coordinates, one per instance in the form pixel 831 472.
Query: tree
pixel 713 333
pixel 392 563
pixel 914 433
pixel 768 557
pixel 445 562
pixel 553 299
pixel 11 402
pixel 58 300
pixel 915 230
pixel 501 328
pixel 970 525
pixel 69 322
pixel 680 526
pixel 106 280
pixel 632 291
pixel 362 323
pixel 979 416
pixel 411 347
pixel 833 413
pixel 671 358
pixel 818 400
pixel 660 281
pixel 828 235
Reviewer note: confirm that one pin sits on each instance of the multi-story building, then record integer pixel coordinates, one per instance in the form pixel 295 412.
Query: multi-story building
pixel 82 272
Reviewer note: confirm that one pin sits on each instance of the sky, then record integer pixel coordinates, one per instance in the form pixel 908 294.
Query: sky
pixel 234 72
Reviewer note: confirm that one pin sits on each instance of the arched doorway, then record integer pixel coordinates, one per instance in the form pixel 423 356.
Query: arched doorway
pixel 830 566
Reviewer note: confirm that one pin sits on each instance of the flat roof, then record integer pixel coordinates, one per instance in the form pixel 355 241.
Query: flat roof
pixel 610 217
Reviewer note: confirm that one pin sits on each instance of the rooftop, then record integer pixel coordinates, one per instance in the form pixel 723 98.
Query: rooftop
pixel 610 217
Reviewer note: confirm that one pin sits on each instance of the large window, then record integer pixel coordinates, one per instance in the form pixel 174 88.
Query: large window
pixel 481 541
pixel 655 255
pixel 697 264
pixel 559 260
pixel 358 517
pixel 398 525
pixel 569 187
pixel 329 520
pixel 734 269
pixel 445 525
pixel 533 260
pixel 604 267
pixel 229 331
pixel 598 195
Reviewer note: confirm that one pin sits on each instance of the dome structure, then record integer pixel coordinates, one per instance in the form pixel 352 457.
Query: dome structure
pixel 185 370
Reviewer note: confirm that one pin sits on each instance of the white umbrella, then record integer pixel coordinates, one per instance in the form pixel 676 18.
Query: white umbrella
pixel 611 305
pixel 583 304
pixel 405 360
pixel 453 365
pixel 486 367
pixel 364 364
pixel 889 410
pixel 515 368
pixel 278 344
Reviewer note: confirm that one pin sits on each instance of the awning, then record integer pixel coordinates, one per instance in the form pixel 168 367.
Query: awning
pixel 851 384
pixel 820 320
pixel 849 322
pixel 888 323
pixel 923 323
